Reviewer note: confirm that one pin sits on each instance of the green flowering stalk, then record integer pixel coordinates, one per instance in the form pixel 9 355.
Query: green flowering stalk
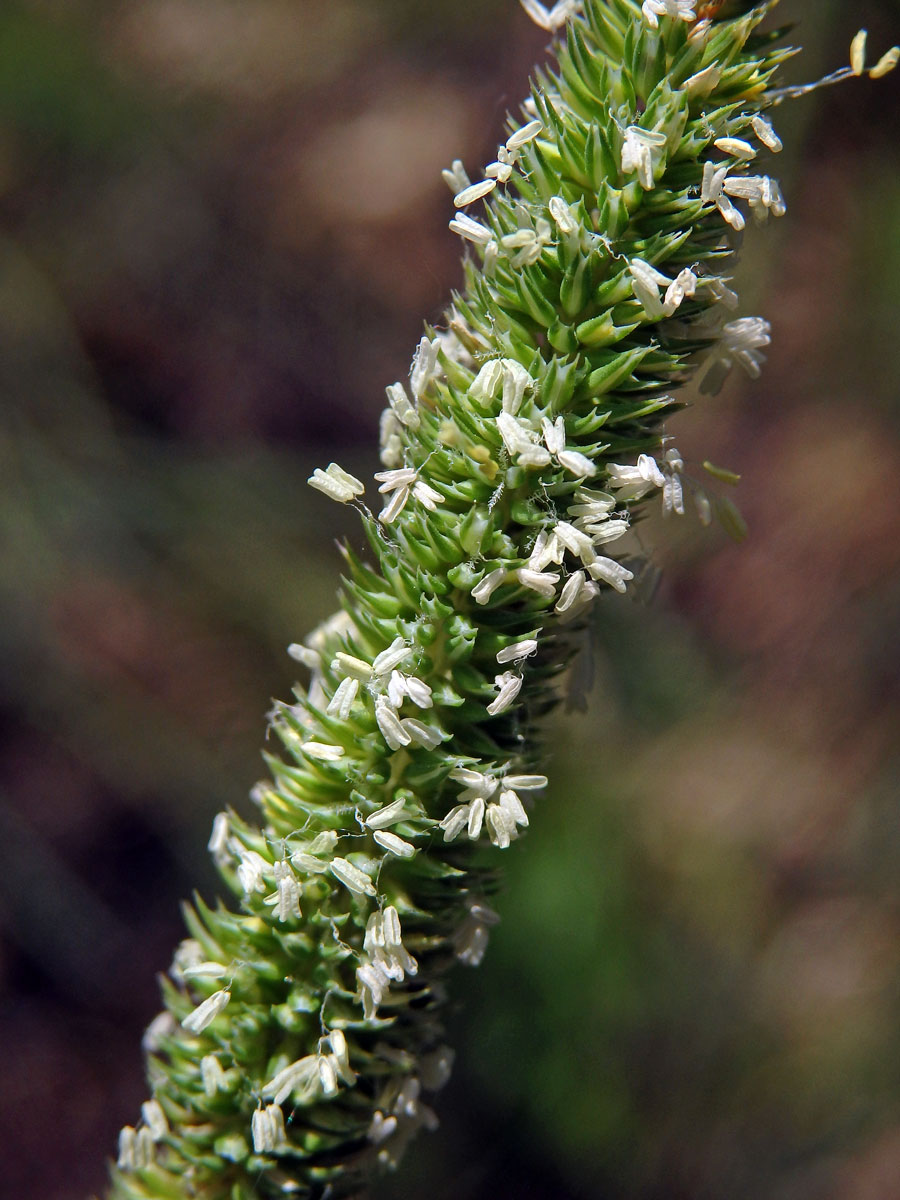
pixel 302 1026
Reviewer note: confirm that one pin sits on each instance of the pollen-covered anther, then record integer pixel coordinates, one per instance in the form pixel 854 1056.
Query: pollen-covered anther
pixel 327 1076
pixel 160 1028
pixel 516 382
pixel 703 507
pixel 422 734
pixel 673 489
pixel 720 291
pixel 155 1119
pixel 526 134
pixel 400 686
pixel 426 495
pixel 742 342
pixel 634 482
pixel 502 818
pixel 736 148
pixel 513 377
pixel 381 1128
pixel 137 1150
pixel 483 387
pixel 348 664
pixel 399 495
pixel 401 405
pixel 481 784
pixel 251 872
pixel 500 826
pixel 342 701
pixel 646 282
pixel 766 134
pixel 386 960
pixel 341 1053
pixel 521 442
pixel 475 821
pixel 858 52
pixel 530 243
pixel 554 434
pixel 712 191
pixel 525 783
pixel 204 1014
pixel 642 151
pixel 518 651
pixel 554 18
pixel 572 461
pixel 333 1064
pixel 761 192
pixel 218 841
pixel 471 939
pixel 546 550
pixel 455 822
pixel 285 901
pixel 336 483
pixel 352 877
pixel 388 815
pixel 682 9
pixel 394 844
pixel 483 590
pixel 508 685
pixel 267 1130
pixel 322 751
pixel 212 1075
pixel 471 230
pixel 592 505
pixel 501 171
pixel 312 858
pixel 311 659
pixel 455 176
pixel 577 591
pixel 608 530
pixel 886 63
pixel 396 484
pixel 542 582
pixel 299 1078
pixel 682 287
pixel 188 953
pixel 566 221
pixel 390 439
pixel 575 541
pixel 475 191
pixel 395 654
pixel 607 570
pixel 425 368
pixel 206 970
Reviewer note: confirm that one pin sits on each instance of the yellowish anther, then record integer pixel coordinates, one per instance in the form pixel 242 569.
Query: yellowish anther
pixel 858 53
pixel 722 473
pixel 482 455
pixel 886 63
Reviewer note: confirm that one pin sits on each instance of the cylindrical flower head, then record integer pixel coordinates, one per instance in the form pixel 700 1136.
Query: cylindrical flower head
pixel 529 434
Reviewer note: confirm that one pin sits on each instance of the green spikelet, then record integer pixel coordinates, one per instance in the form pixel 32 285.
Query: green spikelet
pixel 302 1027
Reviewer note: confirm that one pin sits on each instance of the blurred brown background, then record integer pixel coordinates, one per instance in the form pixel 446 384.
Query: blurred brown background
pixel 221 226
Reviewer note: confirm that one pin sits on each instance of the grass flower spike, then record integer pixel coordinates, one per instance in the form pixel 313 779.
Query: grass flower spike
pixel 302 1036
